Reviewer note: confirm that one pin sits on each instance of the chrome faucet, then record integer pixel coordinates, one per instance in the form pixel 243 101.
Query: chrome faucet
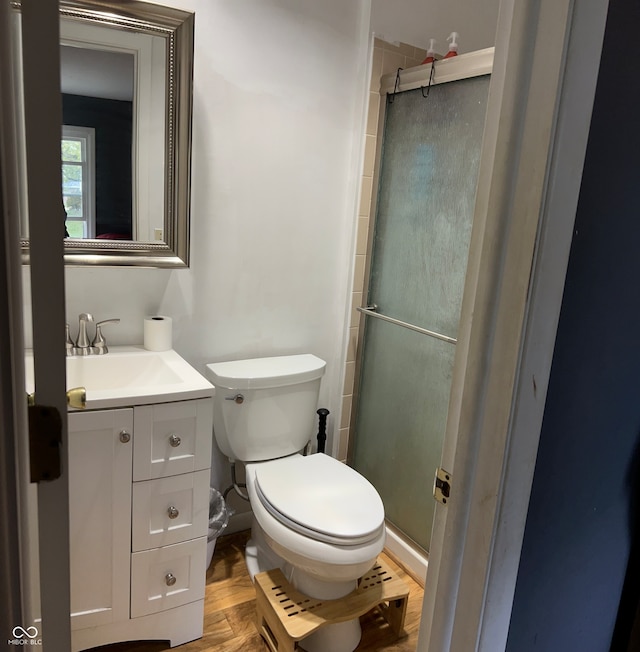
pixel 83 346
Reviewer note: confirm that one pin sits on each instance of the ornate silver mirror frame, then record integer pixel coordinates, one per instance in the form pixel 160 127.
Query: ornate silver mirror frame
pixel 176 27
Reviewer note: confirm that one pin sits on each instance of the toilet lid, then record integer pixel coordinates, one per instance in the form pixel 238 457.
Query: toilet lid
pixel 321 498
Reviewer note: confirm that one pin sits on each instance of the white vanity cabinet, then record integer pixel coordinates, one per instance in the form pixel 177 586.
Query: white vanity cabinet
pixel 138 509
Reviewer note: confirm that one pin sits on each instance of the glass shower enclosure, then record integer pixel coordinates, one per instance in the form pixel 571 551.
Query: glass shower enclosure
pixel 424 211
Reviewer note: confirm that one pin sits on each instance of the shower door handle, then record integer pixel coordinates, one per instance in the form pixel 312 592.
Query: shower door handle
pixel 371 312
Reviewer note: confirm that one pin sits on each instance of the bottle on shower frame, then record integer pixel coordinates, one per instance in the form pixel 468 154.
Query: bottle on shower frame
pixel 453 45
pixel 431 52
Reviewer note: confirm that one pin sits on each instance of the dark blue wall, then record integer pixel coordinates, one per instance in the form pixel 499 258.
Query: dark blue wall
pixel 579 532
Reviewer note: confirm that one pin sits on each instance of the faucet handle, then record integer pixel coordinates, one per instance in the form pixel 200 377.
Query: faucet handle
pixel 99 343
pixel 69 344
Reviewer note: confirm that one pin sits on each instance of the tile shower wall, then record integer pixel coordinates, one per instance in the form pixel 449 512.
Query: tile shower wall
pixel 387 58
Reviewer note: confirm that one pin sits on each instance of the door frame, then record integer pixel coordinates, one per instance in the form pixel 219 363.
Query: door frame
pixel 538 117
pixel 44 566
pixel 12 405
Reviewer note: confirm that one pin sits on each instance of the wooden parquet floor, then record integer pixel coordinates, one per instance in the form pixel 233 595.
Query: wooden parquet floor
pixel 230 611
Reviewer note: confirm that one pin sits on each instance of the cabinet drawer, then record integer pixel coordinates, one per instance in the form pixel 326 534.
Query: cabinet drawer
pixel 172 438
pixel 167 577
pixel 170 510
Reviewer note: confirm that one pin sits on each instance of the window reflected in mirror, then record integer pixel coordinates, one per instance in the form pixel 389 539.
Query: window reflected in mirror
pixel 78 181
pixel 97 86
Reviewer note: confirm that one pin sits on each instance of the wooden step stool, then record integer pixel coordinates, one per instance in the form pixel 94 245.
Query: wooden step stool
pixel 285 616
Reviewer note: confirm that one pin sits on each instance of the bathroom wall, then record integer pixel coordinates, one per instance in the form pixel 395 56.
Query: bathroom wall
pixel 416 21
pixel 279 105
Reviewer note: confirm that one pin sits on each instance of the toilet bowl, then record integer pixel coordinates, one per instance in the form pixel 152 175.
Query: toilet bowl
pixel 316 519
pixel 319 515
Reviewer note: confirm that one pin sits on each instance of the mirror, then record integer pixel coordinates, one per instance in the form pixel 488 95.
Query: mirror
pixel 126 82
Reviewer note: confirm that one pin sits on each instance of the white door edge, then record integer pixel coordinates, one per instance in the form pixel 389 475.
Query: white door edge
pixel 535 139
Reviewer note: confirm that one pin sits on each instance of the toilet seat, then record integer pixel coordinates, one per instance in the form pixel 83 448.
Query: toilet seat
pixel 329 562
pixel 320 498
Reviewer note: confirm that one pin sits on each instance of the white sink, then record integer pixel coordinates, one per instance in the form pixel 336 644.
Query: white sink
pixel 130 375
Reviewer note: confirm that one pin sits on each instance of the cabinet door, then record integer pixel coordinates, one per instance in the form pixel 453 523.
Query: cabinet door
pixel 100 461
pixel 172 438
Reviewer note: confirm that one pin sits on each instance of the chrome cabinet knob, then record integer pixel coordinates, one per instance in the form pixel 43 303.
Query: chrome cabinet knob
pixel 175 441
pixel 173 512
pixel 170 579
pixel 238 398
pixel 125 437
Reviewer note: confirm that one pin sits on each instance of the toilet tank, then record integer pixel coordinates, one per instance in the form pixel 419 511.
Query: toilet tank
pixel 265 408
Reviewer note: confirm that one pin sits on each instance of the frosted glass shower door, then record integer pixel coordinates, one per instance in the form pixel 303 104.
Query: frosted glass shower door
pixel 426 195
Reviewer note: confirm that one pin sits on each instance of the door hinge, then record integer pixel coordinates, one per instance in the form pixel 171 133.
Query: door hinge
pixel 442 486
pixel 45 441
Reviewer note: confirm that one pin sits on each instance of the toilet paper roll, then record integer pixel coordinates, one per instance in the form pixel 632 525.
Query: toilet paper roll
pixel 158 333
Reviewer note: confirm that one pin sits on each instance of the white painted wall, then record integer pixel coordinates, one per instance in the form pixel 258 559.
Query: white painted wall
pixel 416 21
pixel 278 122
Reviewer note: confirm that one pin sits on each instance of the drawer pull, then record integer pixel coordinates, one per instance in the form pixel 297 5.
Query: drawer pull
pixel 125 437
pixel 173 512
pixel 170 579
pixel 175 441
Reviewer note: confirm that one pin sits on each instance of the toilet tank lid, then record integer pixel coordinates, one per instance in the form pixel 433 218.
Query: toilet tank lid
pixel 258 373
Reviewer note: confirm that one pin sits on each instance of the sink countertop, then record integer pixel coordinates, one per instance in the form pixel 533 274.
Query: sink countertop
pixel 130 375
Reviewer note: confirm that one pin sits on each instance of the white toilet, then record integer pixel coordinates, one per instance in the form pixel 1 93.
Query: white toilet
pixel 317 519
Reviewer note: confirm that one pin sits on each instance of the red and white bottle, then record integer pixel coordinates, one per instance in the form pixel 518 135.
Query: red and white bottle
pixel 431 52
pixel 453 45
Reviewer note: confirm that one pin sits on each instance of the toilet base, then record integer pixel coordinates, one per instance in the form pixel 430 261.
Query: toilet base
pixel 259 558
pixel 286 616
pixel 337 637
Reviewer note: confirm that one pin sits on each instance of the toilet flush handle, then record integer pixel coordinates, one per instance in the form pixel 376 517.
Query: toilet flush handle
pixel 238 398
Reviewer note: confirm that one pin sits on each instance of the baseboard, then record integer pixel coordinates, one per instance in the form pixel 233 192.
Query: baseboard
pixel 401 550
